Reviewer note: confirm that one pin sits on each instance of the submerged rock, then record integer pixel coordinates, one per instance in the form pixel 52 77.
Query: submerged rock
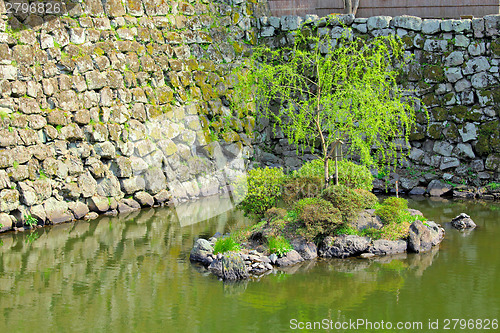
pixel 343 246
pixel 384 247
pixel 463 221
pixel 288 259
pixel 201 251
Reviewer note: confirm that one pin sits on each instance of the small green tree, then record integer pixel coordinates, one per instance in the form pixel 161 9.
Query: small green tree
pixel 323 91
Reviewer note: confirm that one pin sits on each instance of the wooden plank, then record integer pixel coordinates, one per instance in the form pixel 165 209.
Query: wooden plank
pixel 422 8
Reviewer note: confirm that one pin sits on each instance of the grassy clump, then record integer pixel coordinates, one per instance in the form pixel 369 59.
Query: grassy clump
pixel 259 189
pixel 350 174
pixel 392 210
pixel 275 213
pixel 319 217
pixel 396 219
pixel 226 244
pixel 349 201
pixel 299 187
pixel 279 245
pixel 30 220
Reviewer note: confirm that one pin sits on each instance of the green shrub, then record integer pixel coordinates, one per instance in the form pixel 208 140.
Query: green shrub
pixel 395 231
pixel 296 188
pixel 226 244
pixel 319 217
pixel 347 230
pixel 367 199
pixel 275 213
pixel 259 189
pixel 349 201
pixel 350 174
pixel 393 210
pixel 396 218
pixel 279 245
pixel 399 203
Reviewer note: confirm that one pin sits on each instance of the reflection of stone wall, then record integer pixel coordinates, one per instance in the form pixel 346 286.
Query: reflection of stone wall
pixel 119 99
pixel 72 272
pixel 456 74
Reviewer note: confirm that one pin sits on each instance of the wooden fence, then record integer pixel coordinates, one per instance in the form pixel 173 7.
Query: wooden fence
pixel 367 8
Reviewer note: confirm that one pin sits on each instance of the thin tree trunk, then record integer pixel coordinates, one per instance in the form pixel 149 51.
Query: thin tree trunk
pixel 355 6
pixel 326 173
pixel 336 167
pixel 348 6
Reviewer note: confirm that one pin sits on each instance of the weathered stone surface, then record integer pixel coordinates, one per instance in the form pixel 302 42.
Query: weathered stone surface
pixel 367 219
pixel 57 211
pixel 109 187
pixel 5 222
pixel 229 267
pixel 431 26
pixel 437 232
pixel 407 22
pixel 9 200
pixel 419 239
pixel 79 209
pixel 307 250
pixel 437 188
pixel 463 221
pixel 105 150
pixel 418 191
pixel 449 162
pixel 343 246
pixel 291 258
pixel 378 22
pixel 383 247
pixel 468 132
pixel 162 197
pixel 201 249
pixel 98 204
pixel 493 162
pixel 443 148
pixel 144 199
pixel 155 180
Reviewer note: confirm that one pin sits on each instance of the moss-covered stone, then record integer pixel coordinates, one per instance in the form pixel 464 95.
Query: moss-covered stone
pixel 430 100
pixel 495 47
pixel 439 114
pixel 434 74
pixel 434 131
pixel 450 132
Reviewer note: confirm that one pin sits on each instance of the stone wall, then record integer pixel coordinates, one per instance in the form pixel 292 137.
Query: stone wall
pixel 119 104
pixel 456 74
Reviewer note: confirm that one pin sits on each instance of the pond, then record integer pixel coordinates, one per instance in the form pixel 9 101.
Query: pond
pixel 132 273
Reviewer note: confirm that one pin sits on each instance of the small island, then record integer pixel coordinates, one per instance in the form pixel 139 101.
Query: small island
pixel 301 219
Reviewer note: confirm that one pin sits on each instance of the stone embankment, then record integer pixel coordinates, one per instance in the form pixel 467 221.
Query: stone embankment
pixel 117 105
pixel 456 74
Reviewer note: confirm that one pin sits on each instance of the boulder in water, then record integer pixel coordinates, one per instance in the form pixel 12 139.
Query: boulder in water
pixel 462 222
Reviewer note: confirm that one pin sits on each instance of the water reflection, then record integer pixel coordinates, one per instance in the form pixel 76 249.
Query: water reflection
pixel 131 273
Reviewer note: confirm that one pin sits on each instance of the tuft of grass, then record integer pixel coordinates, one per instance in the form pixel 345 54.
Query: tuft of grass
pixel 493 186
pixel 42 175
pixel 30 220
pixel 279 245
pixel 226 244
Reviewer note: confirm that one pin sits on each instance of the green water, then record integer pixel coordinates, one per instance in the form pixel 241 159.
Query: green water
pixel 132 274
